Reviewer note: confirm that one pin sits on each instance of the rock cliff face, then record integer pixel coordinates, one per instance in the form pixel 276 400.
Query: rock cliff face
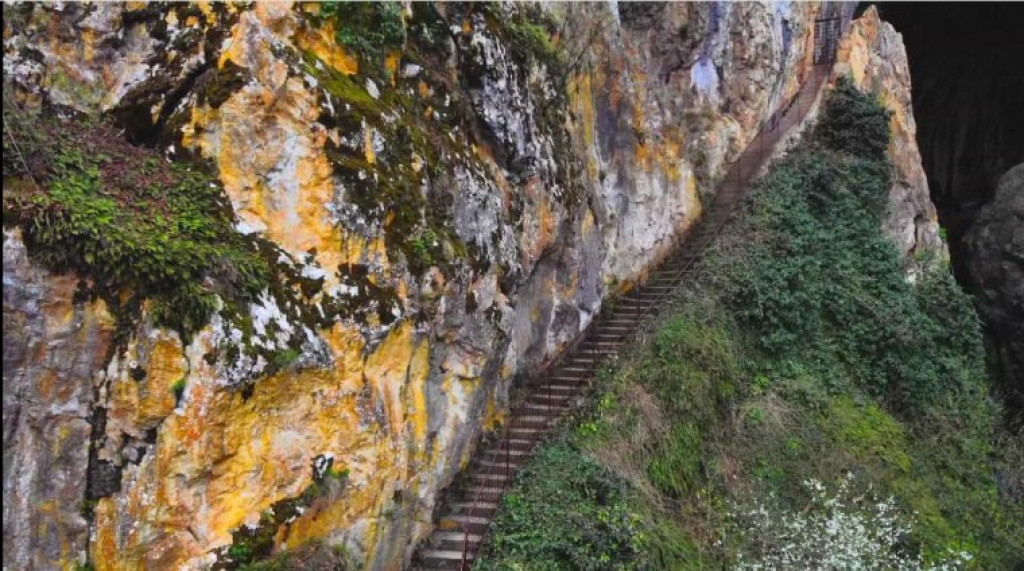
pixel 872 53
pixel 960 57
pixel 450 209
pixel 995 245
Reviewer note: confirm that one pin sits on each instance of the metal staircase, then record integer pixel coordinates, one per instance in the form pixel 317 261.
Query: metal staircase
pixel 552 394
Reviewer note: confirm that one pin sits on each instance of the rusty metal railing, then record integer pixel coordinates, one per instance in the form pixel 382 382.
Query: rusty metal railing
pixel 738 175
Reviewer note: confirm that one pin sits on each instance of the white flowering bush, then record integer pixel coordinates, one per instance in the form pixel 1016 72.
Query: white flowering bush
pixel 840 530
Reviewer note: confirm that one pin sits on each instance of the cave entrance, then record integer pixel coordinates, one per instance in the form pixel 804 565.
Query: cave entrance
pixel 964 60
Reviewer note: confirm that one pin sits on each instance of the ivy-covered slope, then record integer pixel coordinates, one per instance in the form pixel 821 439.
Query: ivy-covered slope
pixel 801 405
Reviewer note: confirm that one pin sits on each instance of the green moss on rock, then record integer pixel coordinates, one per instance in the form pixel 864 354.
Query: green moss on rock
pixel 88 201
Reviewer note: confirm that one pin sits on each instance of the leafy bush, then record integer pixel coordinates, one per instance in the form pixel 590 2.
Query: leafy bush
pixel 853 123
pixel 564 512
pixel 822 281
pixel 370 29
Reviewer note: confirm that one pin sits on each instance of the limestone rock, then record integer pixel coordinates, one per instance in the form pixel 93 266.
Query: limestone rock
pixel 53 346
pixel 872 54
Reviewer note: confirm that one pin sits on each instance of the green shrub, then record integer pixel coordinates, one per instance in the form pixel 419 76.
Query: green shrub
pixel 564 512
pixel 851 122
pixel 370 29
pixel 822 284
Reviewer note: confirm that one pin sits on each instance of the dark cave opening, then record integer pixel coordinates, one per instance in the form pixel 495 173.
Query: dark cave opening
pixel 967 71
pixel 968 92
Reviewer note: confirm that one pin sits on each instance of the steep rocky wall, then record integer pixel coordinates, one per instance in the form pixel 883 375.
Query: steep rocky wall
pixel 53 347
pixel 872 54
pixel 995 245
pixel 454 213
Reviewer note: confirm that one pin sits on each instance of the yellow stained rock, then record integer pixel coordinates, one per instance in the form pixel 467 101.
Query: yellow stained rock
pixel 224 459
pixel 391 63
pixel 371 157
pixel 142 404
pixel 494 416
pixel 387 369
pixel 419 368
pixel 320 40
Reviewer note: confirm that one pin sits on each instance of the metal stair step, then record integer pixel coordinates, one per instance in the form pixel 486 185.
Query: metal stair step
pixel 482 493
pixel 490 477
pixel 559 397
pixel 473 508
pixel 547 407
pixel 451 555
pixel 499 464
pixel 564 388
pixel 467 519
pixel 456 536
pixel 511 451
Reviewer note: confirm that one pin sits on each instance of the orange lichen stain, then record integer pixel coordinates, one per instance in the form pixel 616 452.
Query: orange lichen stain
pixel 371 156
pixel 310 7
pixel 669 155
pixel 581 90
pixel 495 415
pixel 387 370
pixel 582 100
pixel 391 63
pixel 294 214
pixel 251 453
pixel 105 550
pixel 419 368
pixel 88 44
pixel 547 222
pixel 207 9
pixel 691 187
pixel 320 41
pixel 148 401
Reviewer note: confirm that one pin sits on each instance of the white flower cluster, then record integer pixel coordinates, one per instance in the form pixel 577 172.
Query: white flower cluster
pixel 835 531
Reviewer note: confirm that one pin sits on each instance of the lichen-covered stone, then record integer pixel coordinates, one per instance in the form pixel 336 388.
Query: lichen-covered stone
pixel 54 345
